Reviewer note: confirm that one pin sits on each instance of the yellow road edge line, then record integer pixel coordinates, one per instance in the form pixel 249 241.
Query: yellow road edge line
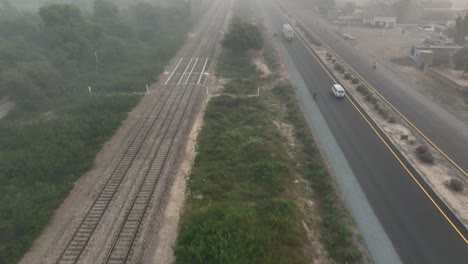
pixel 385 143
pixel 391 105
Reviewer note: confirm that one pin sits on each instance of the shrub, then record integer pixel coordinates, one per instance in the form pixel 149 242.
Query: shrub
pixel 456 185
pixel 242 36
pixel 333 60
pixel 338 67
pixel 342 70
pixel 355 80
pixel 392 120
pixel 422 149
pixel 424 155
pixel 363 89
pixel 369 98
pixel 347 76
pixel 404 137
pixel 383 113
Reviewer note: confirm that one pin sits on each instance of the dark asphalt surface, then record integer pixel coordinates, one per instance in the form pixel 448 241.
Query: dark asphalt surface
pixel 419 232
pixel 443 133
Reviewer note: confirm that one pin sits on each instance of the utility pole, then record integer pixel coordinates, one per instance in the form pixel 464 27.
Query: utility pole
pixel 97 61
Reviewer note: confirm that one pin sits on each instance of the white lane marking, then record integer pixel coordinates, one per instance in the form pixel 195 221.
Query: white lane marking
pixel 173 71
pixel 207 73
pixel 191 71
pixel 202 72
pixel 185 71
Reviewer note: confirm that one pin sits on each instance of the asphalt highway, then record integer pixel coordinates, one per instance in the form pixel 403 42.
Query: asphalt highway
pixel 443 129
pixel 418 230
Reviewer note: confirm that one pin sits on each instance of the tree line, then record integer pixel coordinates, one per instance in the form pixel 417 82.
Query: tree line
pixel 460 30
pixel 62 49
pixel 48 59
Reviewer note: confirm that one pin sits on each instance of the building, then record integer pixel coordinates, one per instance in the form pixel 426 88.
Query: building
pixel 430 55
pixel 381 22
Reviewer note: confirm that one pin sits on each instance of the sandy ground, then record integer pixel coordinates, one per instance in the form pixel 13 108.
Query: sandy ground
pixel 392 50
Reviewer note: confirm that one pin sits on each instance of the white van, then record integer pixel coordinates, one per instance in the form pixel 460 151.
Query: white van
pixel 288 32
pixel 338 90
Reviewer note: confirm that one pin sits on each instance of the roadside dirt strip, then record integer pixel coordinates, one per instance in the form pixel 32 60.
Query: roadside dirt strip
pixel 121 207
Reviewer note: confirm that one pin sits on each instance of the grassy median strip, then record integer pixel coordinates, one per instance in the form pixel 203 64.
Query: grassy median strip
pixel 242 206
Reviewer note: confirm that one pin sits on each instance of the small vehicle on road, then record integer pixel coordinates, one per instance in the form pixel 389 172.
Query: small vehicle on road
pixel 338 90
pixel 288 32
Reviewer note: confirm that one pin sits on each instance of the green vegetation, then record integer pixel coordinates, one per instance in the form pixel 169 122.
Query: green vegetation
pixel 460 60
pixel 460 30
pixel 424 154
pixel 455 185
pixel 336 235
pixel 238 210
pixel 242 36
pixel 241 207
pixel 47 61
pixel 232 66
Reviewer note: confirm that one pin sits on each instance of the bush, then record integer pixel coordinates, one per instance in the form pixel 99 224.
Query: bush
pixel 333 60
pixel 355 80
pixel 338 66
pixel 422 149
pixel 370 98
pixel 383 113
pixel 424 155
pixel 347 76
pixel 363 89
pixel 242 37
pixel 392 120
pixel 456 185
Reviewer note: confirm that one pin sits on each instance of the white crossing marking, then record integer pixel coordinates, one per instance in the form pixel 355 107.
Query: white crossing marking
pixel 185 71
pixel 173 71
pixel 191 71
pixel 202 72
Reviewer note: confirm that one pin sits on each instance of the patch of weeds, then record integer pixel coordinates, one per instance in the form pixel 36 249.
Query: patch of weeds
pixel 455 185
pixel 236 66
pixel 363 89
pixel 424 155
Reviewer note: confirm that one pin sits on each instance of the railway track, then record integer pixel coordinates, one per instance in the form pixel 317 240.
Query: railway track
pixel 122 247
pixel 160 127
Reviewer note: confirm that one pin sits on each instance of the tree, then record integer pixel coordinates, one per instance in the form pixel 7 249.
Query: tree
pixel 325 6
pixel 105 10
pixel 62 15
pixel 68 33
pixel 242 36
pixel 465 26
pixel 461 60
pixel 402 7
pixel 349 7
pixel 20 87
pixel 459 36
pixel 112 50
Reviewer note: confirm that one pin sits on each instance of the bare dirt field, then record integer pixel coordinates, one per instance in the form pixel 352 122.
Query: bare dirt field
pixel 388 47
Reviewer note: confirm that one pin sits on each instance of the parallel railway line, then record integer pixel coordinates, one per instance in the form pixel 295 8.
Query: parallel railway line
pixel 160 127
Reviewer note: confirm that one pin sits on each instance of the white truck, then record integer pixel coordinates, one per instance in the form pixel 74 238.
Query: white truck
pixel 288 32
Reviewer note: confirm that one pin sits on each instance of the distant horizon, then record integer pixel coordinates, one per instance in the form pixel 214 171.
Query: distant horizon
pixel 456 3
